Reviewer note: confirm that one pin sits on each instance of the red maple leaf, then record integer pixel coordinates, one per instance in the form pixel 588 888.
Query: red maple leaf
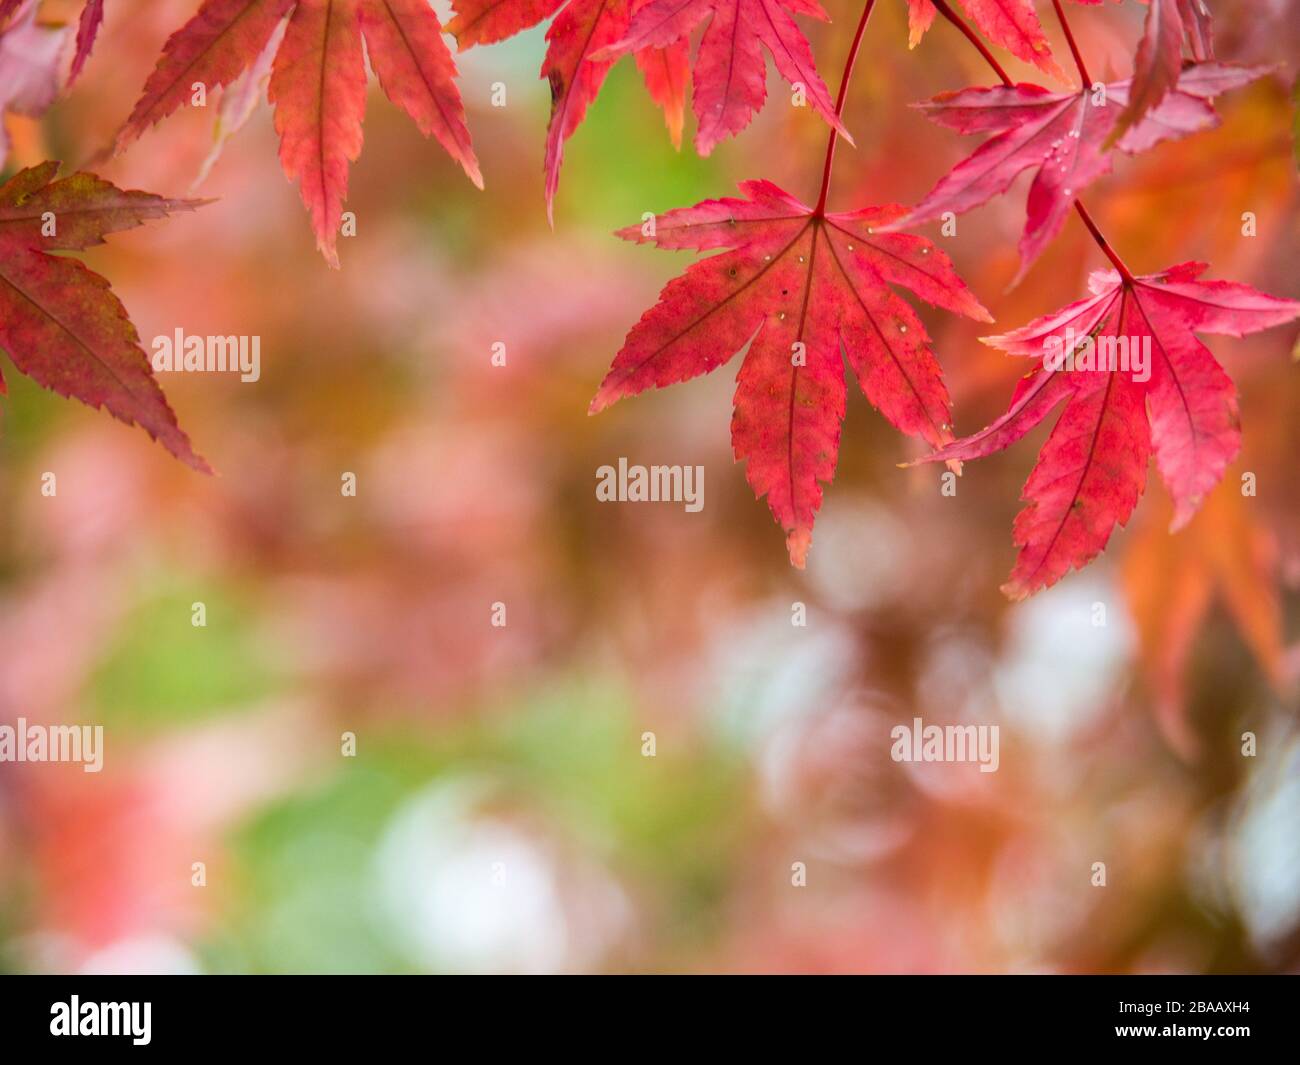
pixel 730 75
pixel 1013 24
pixel 1226 553
pixel 575 75
pixel 1134 377
pixel 1061 135
pixel 666 72
pixel 31 60
pixel 1156 66
pixel 59 321
pixel 318 84
pixel 1198 28
pixel 1159 57
pixel 796 285
pixel 588 36
pixel 92 17
pixel 1195 23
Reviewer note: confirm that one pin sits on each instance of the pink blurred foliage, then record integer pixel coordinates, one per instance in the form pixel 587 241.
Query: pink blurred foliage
pixel 113 852
pixel 475 486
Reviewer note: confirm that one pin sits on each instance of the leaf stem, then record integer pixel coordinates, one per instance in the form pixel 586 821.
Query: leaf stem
pixel 1097 235
pixel 971 36
pixel 1103 243
pixel 1074 47
pixel 820 210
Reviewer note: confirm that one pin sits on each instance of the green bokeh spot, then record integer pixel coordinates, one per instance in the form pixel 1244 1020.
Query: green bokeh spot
pixel 163 670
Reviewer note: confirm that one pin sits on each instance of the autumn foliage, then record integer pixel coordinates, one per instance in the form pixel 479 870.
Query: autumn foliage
pixel 1032 328
pixel 802 290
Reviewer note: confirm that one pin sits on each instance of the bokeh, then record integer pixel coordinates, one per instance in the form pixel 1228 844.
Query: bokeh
pixel 648 767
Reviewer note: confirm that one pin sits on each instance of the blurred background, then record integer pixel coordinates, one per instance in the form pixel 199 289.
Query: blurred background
pixel 502 811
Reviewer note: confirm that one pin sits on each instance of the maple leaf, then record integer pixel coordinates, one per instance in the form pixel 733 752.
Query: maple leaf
pixel 317 84
pixel 59 321
pixel 1156 66
pixel 239 100
pixel 1198 28
pixel 920 17
pixel 92 17
pixel 730 75
pixel 1170 585
pixel 796 286
pixel 666 72
pixel 570 66
pixel 1160 55
pixel 583 43
pixel 1013 24
pixel 1093 467
pixel 575 76
pixel 1194 18
pixel 30 58
pixel 1061 135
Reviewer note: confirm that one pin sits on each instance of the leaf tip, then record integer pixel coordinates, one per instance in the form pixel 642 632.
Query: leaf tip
pixel 1015 591
pixel 605 397
pixel 1184 511
pixel 797 542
